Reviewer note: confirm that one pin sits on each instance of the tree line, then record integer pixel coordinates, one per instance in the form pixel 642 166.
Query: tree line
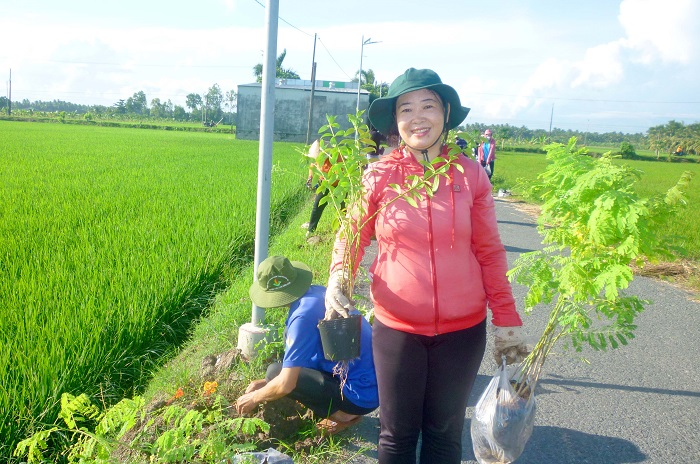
pixel 675 137
pixel 672 138
pixel 215 106
pixel 664 139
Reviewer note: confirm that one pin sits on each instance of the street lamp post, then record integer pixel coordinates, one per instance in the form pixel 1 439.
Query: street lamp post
pixel 359 76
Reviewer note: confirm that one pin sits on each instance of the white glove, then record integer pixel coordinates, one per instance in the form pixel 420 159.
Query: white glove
pixel 337 304
pixel 509 342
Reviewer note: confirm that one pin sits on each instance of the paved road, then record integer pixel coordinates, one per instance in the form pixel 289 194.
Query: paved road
pixel 635 404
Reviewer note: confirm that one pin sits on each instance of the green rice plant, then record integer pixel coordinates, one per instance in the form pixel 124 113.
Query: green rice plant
pixel 111 242
pixel 512 167
pixel 657 178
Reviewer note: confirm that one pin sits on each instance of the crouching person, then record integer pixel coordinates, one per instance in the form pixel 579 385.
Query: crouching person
pixel 304 374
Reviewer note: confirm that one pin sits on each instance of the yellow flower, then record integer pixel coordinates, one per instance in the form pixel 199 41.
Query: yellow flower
pixel 210 387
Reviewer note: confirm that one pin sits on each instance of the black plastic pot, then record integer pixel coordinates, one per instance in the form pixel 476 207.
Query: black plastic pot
pixel 341 337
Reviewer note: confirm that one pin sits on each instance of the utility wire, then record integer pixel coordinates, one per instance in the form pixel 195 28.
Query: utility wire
pixel 285 21
pixel 94 63
pixel 329 54
pixel 586 99
pixel 308 34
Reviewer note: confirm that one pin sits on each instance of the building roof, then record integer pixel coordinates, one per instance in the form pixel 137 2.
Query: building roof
pixel 321 85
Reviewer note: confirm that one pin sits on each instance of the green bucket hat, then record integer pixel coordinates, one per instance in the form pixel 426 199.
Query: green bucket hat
pixel 280 282
pixel 381 111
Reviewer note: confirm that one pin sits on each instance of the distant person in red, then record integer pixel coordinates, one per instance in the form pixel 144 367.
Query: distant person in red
pixel 487 153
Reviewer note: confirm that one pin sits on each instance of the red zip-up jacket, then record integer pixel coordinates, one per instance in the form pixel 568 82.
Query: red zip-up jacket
pixel 438 264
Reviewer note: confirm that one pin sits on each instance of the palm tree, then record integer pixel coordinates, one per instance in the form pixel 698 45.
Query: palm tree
pixel 370 83
pixel 281 72
pixel 367 77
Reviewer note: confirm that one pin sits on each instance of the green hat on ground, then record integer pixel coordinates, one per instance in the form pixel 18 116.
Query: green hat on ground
pixel 381 111
pixel 279 282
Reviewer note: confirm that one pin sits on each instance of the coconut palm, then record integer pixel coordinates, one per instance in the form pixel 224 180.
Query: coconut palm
pixel 281 72
pixel 370 83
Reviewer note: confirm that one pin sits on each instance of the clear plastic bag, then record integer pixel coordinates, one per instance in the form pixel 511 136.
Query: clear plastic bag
pixel 503 420
pixel 269 456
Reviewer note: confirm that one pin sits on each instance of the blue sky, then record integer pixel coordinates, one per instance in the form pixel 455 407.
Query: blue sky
pixel 596 65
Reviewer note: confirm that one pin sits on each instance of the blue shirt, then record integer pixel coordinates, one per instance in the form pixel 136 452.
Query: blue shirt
pixel 302 342
pixel 487 149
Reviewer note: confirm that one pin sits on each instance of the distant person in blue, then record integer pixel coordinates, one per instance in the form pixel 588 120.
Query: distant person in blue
pixel 462 144
pixel 304 374
pixel 487 153
pixel 377 150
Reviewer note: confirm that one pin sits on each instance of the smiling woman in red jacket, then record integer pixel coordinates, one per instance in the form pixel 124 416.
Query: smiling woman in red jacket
pixel 439 266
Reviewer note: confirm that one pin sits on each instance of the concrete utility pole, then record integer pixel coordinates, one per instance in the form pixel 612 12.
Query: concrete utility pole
pixel 359 75
pixel 311 99
pixel 9 95
pixel 253 332
pixel 551 116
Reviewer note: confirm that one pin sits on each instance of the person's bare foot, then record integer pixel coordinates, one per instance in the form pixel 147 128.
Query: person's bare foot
pixel 331 427
pixel 340 416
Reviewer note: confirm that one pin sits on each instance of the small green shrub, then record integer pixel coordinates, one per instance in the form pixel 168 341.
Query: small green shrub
pixel 627 151
pixel 196 431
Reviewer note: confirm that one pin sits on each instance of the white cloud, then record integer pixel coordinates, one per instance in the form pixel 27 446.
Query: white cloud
pixel 229 5
pixel 600 66
pixel 654 30
pixel 84 62
pixel 516 68
pixel 551 74
pixel 661 29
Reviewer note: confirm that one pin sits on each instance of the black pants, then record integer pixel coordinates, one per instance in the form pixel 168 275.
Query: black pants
pixel 318 391
pixel 424 384
pixel 317 210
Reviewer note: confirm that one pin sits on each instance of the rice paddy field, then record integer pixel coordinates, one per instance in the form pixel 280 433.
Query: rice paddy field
pixel 112 241
pixel 657 178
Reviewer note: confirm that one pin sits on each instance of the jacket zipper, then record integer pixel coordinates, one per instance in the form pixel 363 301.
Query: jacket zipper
pixel 431 251
pixel 433 273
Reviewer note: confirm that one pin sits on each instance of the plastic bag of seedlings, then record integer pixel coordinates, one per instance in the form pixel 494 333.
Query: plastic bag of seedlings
pixel 269 456
pixel 503 418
